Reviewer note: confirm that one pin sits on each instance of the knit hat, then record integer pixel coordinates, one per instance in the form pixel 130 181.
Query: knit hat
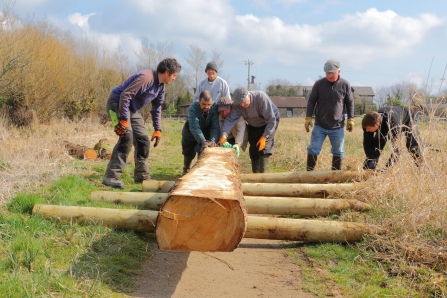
pixel 239 95
pixel 211 65
pixel 331 65
pixel 224 103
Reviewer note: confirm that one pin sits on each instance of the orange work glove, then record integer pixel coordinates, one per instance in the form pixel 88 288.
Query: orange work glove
pixel 261 143
pixel 222 140
pixel 157 136
pixel 121 127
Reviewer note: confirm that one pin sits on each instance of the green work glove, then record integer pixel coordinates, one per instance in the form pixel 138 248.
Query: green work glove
pixel 114 117
pixel 226 145
pixel 236 147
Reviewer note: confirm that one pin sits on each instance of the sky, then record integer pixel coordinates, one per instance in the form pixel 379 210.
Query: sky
pixel 378 43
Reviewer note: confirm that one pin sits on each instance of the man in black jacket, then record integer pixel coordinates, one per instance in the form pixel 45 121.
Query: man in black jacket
pixel 389 123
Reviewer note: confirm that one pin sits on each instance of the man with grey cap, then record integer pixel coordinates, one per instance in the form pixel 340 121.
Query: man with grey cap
pixel 215 84
pixel 238 137
pixel 262 118
pixel 329 99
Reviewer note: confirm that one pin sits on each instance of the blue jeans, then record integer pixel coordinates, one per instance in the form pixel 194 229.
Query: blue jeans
pixel 336 137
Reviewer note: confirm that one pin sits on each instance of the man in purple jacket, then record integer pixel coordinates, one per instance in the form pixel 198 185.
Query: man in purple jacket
pixel 123 106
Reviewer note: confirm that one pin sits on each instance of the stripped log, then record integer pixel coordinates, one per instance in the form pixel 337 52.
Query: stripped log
pixel 148 200
pixel 307 177
pixel 273 189
pixel 138 220
pixel 205 209
pixel 257 227
pixel 298 190
pixel 306 230
pixel 254 204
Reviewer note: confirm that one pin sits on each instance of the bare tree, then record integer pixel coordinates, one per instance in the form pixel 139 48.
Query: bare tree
pixel 151 54
pixel 280 87
pixel 197 60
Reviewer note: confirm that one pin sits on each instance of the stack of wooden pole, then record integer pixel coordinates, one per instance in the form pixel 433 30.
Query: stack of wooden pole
pixel 206 210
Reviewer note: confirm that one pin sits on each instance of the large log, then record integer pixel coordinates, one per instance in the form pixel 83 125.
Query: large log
pixel 257 227
pixel 205 209
pixel 273 189
pixel 254 204
pixel 307 177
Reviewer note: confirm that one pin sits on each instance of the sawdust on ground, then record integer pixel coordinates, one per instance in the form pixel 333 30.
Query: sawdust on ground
pixel 257 268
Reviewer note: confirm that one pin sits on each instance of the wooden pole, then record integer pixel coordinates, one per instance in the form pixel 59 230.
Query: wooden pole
pixel 307 177
pixel 306 230
pixel 148 200
pixel 257 227
pixel 254 204
pixel 274 189
pixel 297 190
pixel 137 220
pixel 205 209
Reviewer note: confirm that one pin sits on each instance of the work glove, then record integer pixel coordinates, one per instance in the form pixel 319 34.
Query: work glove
pixel 370 164
pixel 205 144
pixel 307 123
pixel 261 143
pixel 350 124
pixel 226 145
pixel 121 127
pixel 236 147
pixel 157 136
pixel 222 140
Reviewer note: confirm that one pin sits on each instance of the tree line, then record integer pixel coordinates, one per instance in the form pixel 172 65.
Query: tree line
pixel 47 73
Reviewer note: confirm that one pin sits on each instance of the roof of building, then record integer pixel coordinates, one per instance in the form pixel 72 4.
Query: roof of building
pixel 289 102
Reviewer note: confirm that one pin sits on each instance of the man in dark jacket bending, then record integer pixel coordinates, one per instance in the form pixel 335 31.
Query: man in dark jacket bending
pixel 389 123
pixel 201 129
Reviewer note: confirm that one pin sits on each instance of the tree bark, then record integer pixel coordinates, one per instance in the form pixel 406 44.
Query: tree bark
pixel 257 227
pixel 205 209
pixel 81 152
pixel 254 204
pixel 307 177
pixel 273 189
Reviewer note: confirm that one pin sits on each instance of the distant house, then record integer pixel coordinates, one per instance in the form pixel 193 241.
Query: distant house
pixel 290 106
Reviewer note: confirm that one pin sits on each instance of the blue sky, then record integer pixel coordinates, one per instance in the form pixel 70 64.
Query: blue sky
pixel 378 43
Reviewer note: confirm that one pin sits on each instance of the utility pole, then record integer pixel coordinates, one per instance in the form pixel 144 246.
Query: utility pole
pixel 248 62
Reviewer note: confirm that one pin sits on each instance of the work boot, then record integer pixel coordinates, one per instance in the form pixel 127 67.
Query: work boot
pixel 264 161
pixel 256 165
pixel 186 165
pixel 336 163
pixel 113 182
pixel 311 162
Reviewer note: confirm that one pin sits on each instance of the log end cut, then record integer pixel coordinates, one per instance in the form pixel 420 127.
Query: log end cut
pixel 205 210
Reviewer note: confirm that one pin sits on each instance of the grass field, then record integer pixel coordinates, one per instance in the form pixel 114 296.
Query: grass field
pixel 50 258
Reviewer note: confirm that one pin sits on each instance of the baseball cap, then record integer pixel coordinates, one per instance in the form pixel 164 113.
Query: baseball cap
pixel 331 65
pixel 239 95
pixel 224 103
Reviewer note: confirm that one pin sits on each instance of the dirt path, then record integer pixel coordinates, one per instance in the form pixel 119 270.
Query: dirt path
pixel 257 268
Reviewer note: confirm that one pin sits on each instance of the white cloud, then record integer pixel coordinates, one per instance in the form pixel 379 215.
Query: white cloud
pixel 80 20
